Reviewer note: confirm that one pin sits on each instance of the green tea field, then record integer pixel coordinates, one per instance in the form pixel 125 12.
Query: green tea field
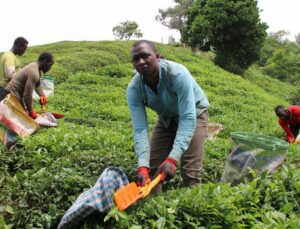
pixel 46 172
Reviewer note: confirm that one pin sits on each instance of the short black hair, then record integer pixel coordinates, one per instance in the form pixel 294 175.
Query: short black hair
pixel 46 56
pixel 152 46
pixel 20 41
pixel 278 107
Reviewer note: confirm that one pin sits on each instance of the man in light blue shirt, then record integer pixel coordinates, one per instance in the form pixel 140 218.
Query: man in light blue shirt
pixel 169 89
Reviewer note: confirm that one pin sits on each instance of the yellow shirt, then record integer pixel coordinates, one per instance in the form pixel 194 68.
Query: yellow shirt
pixel 8 62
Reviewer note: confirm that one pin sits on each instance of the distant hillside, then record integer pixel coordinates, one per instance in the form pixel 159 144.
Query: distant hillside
pixel 47 172
pixel 113 59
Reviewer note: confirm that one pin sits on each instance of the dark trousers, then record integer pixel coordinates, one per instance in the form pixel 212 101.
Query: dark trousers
pixel 295 130
pixel 161 144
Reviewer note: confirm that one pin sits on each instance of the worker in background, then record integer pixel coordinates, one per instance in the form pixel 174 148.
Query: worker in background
pixel 27 79
pixel 289 120
pixel 9 63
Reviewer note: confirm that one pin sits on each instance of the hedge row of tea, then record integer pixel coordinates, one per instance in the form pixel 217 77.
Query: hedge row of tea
pixel 45 173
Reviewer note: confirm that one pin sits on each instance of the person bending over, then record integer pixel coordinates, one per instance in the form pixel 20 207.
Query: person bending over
pixel 289 120
pixel 27 79
pixel 169 89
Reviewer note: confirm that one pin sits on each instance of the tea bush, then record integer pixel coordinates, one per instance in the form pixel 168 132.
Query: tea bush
pixel 116 70
pixel 271 201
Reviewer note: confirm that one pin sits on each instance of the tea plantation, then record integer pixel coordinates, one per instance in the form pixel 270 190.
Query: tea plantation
pixel 45 173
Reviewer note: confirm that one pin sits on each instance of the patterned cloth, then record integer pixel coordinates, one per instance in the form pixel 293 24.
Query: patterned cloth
pixel 98 198
pixel 46 120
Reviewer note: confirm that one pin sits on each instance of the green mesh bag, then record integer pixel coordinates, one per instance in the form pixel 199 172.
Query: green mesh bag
pixel 253 151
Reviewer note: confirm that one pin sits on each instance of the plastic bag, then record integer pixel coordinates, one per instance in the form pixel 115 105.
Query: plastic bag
pixel 14 117
pixel 253 151
pixel 47 83
pixel 14 122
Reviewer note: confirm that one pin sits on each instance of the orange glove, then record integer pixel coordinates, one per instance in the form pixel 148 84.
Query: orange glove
pixel 43 99
pixel 143 176
pixel 32 114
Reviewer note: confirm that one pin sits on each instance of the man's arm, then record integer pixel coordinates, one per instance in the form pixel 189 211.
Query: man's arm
pixel 285 127
pixel 140 126
pixel 39 89
pixel 183 87
pixel 9 72
pixel 9 67
pixel 31 81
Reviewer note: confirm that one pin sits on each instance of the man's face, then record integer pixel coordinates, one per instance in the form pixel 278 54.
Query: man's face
pixel 283 114
pixel 145 60
pixel 46 65
pixel 21 49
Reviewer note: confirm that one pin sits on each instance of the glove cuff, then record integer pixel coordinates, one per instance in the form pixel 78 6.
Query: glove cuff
pixel 171 160
pixel 32 114
pixel 143 170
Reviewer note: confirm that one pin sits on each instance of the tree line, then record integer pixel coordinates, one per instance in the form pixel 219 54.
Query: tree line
pixel 233 31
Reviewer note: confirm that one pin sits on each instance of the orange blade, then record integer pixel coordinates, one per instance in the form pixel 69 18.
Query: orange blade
pixel 147 189
pixel 56 115
pixel 126 196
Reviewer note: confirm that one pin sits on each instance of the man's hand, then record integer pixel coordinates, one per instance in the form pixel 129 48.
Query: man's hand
pixel 167 169
pixel 32 114
pixel 43 99
pixel 143 176
pixel 291 140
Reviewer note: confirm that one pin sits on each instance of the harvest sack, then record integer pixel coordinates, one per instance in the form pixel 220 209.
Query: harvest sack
pixel 213 130
pixel 14 122
pixel 47 83
pixel 8 137
pixel 253 151
pixel 14 117
pixel 98 198
pixel 46 120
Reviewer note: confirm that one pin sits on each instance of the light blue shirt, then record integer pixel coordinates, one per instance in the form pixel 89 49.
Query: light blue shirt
pixel 178 97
